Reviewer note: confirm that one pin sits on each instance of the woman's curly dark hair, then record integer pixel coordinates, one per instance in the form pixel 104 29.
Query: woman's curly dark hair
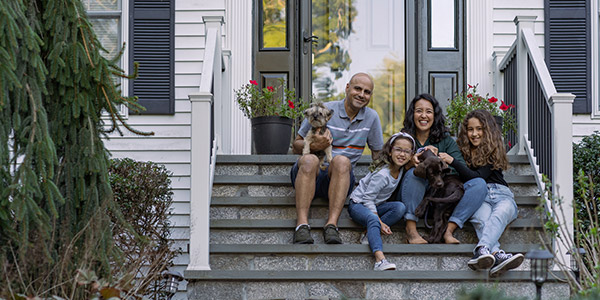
pixel 491 150
pixel 438 129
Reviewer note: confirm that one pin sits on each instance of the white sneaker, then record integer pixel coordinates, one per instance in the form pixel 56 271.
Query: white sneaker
pixel 384 265
pixel 364 239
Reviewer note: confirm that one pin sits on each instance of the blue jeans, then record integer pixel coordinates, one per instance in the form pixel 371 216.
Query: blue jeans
pixel 390 213
pixel 413 189
pixel 490 220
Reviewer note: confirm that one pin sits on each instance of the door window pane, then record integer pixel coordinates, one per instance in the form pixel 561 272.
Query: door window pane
pixel 107 31
pixel 101 5
pixel 442 24
pixel 274 24
pixel 361 36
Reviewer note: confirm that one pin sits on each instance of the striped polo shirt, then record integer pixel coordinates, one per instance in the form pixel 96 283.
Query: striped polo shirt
pixel 350 137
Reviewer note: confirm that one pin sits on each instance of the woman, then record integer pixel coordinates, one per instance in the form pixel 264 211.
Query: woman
pixel 425 122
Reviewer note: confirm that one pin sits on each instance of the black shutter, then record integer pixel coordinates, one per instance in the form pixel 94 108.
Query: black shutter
pixel 151 40
pixel 567 38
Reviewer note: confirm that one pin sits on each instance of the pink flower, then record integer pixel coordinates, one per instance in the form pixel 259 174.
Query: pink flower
pixel 270 88
pixel 493 100
pixel 291 104
pixel 504 107
pixel 253 82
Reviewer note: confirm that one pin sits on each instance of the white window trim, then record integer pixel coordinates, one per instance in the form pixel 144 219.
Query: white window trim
pixel 595 51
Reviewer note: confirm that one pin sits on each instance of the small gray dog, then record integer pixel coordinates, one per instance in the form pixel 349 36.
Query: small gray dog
pixel 317 115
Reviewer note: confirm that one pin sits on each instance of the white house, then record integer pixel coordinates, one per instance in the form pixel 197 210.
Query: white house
pixel 193 53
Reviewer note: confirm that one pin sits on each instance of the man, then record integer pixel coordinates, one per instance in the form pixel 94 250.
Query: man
pixel 349 129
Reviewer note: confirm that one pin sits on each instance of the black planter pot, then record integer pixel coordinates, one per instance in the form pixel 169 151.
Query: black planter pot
pixel 499 121
pixel 271 134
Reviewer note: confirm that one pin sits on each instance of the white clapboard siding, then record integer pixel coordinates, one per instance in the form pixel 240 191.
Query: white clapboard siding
pixel 503 14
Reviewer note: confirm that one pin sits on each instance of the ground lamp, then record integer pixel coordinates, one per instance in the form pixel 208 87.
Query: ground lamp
pixel 576 255
pixel 172 279
pixel 539 268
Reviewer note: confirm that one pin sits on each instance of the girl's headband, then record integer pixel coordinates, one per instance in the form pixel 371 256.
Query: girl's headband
pixel 406 135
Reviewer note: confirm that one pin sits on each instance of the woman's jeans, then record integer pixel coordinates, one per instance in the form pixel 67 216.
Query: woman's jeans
pixel 390 213
pixel 496 212
pixel 412 191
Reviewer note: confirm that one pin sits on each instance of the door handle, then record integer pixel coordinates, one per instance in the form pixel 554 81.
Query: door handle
pixel 308 40
pixel 312 38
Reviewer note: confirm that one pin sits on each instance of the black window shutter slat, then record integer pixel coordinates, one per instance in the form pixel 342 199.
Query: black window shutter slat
pixel 568 50
pixel 152 43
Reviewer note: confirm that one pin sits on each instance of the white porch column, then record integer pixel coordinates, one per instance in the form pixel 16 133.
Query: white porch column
pixel 200 186
pixel 498 77
pixel 522 22
pixel 561 105
pixel 479 37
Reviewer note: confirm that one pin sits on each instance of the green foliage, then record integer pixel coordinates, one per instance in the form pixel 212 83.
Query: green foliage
pixel 54 86
pixel 586 159
pixel 143 193
pixel 389 100
pixel 484 293
pixel 470 100
pixel 270 101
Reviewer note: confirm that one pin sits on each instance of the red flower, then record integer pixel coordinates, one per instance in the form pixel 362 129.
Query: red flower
pixel 291 104
pixel 511 106
pixel 470 86
pixel 493 100
pixel 270 88
pixel 509 144
pixel 504 107
pixel 253 82
pixel 469 96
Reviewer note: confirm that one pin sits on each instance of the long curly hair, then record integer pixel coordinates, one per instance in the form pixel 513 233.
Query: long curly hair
pixel 438 129
pixel 491 150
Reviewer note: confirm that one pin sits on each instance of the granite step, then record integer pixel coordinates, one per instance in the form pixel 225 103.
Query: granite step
pixel 347 257
pixel 422 285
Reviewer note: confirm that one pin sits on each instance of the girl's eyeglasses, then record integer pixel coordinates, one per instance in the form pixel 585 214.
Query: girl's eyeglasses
pixel 405 151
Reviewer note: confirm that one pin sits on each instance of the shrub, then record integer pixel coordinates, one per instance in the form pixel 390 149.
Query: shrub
pixel 142 191
pixel 484 293
pixel 586 158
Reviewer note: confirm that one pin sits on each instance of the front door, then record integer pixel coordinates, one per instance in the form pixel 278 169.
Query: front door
pixel 408 47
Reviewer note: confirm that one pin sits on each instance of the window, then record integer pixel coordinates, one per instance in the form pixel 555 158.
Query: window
pixel 106 17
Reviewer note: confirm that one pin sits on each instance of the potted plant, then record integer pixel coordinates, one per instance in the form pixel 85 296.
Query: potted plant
pixel 272 112
pixel 470 100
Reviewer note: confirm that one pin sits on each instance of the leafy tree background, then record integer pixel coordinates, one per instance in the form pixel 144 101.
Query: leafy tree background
pixel 55 85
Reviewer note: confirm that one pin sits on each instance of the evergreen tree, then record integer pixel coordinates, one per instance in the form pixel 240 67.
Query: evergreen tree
pixel 54 189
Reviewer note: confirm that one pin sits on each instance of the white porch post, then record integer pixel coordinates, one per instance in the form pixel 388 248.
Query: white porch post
pixel 561 105
pixel 498 77
pixel 200 175
pixel 522 22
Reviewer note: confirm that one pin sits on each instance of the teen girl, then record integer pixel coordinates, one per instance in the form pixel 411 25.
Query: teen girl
pixel 368 205
pixel 480 142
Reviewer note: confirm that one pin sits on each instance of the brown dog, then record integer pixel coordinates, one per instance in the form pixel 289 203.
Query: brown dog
pixel 317 115
pixel 444 192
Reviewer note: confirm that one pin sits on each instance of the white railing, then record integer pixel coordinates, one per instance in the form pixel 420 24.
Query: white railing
pixel 204 144
pixel 526 54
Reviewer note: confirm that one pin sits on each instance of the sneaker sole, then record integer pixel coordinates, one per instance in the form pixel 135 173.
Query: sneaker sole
pixel 390 268
pixel 304 242
pixel 506 265
pixel 482 262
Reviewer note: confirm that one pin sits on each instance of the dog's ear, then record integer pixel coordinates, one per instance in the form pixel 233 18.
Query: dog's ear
pixel 329 114
pixel 445 168
pixel 421 170
pixel 306 112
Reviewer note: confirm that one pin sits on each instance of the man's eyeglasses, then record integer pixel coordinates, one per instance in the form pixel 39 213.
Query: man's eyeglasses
pixel 405 151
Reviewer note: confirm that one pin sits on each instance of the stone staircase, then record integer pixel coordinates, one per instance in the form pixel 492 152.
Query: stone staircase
pixel 252 255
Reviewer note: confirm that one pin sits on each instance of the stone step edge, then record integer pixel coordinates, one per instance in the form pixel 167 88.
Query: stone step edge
pixel 285 179
pixel 291 201
pixel 318 224
pixel 466 249
pixel 291 159
pixel 363 275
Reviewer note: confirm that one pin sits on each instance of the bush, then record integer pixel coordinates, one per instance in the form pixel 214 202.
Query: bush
pixel 586 158
pixel 142 191
pixel 484 293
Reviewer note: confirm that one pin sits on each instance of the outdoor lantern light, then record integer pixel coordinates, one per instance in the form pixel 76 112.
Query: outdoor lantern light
pixel 539 268
pixel 172 279
pixel 575 260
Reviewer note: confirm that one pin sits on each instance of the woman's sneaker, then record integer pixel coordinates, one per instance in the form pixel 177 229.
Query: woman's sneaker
pixel 364 239
pixel 384 265
pixel 505 262
pixel 482 259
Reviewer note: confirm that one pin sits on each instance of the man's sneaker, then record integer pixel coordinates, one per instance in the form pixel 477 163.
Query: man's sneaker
pixel 384 265
pixel 364 239
pixel 331 234
pixel 482 259
pixel 302 235
pixel 505 262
